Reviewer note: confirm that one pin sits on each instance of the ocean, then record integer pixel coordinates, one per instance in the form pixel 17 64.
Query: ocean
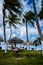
pixel 28 47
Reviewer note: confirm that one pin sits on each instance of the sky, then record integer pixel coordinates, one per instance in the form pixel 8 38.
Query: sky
pixel 21 29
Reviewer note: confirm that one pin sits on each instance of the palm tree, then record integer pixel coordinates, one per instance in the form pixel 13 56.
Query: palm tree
pixel 11 6
pixel 13 20
pixel 37 41
pixel 4 24
pixel 37 22
pixel 28 17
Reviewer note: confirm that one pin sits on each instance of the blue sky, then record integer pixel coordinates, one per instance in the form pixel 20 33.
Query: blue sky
pixel 21 30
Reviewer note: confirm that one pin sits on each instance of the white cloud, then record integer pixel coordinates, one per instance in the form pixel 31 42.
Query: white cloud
pixel 13 35
pixel 1 30
pixel 1 16
pixel 1 7
pixel 21 31
pixel 7 31
pixel 31 31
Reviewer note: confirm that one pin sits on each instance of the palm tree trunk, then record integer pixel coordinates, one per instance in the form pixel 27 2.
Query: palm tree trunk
pixel 26 31
pixel 37 22
pixel 4 25
pixel 4 28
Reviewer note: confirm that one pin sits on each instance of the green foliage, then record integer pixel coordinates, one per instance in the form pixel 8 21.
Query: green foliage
pixel 41 12
pixel 29 17
pixel 37 41
pixel 14 8
pixel 25 58
pixel 13 5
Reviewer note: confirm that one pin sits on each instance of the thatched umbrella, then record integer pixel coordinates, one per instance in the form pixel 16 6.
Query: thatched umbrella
pixel 15 40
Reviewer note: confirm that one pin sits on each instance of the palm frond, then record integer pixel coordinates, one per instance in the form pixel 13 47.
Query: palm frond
pixel 29 15
pixel 31 22
pixel 14 5
pixel 14 25
pixel 41 12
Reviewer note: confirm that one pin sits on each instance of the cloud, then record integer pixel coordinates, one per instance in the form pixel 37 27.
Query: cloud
pixel 1 30
pixel 1 7
pixel 1 14
pixel 13 35
pixel 21 30
pixel 31 32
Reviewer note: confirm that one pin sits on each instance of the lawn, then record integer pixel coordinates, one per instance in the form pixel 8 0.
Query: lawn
pixel 22 58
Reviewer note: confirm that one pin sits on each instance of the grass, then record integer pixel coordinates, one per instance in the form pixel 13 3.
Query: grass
pixel 24 58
